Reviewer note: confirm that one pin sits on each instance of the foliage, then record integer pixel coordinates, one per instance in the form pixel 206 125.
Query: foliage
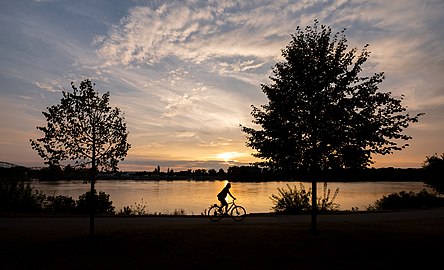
pixel 23 198
pixel 18 197
pixel 83 128
pixel 407 200
pixel 178 212
pixel 434 170
pixel 326 203
pixel 102 204
pixel 321 112
pixel 60 204
pixel 138 209
pixel 291 201
pixel 295 201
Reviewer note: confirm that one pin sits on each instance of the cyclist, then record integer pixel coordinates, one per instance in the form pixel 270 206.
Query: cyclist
pixel 223 194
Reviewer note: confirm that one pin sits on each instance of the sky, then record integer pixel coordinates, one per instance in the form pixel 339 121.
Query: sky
pixel 186 73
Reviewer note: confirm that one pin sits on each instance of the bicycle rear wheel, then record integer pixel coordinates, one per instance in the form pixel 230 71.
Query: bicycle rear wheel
pixel 214 213
pixel 238 213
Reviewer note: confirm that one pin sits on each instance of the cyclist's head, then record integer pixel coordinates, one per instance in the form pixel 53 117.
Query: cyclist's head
pixel 228 185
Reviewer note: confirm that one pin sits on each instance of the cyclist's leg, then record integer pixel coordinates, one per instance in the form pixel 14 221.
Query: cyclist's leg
pixel 224 205
pixel 220 204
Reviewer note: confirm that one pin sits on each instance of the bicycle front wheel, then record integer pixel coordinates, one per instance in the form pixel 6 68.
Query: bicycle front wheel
pixel 238 213
pixel 214 213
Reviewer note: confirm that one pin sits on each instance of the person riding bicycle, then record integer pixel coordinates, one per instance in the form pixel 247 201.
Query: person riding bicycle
pixel 223 194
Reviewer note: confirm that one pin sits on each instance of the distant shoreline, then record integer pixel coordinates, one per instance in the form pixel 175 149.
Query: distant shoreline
pixel 154 179
pixel 233 174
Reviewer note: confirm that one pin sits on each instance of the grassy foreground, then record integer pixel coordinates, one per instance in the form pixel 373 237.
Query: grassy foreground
pixel 195 243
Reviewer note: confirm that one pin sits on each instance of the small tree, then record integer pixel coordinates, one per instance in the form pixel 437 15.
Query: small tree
pixel 83 128
pixel 321 113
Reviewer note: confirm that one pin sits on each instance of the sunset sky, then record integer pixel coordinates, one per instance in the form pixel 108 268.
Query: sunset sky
pixel 185 73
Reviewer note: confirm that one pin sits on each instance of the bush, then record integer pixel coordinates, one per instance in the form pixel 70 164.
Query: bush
pixel 407 200
pixel 21 198
pixel 291 201
pixel 294 201
pixel 326 203
pixel 138 209
pixel 102 203
pixel 60 204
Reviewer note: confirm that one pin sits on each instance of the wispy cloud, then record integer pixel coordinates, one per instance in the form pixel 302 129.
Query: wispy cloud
pixel 191 33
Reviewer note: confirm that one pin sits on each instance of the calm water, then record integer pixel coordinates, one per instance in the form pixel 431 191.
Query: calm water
pixel 195 196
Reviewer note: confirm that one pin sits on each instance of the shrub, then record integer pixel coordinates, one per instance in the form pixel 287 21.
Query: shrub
pixel 23 198
pixel 291 201
pixel 60 204
pixel 326 203
pixel 407 200
pixel 102 203
pixel 179 212
pixel 126 211
pixel 138 209
pixel 294 201
pixel 18 197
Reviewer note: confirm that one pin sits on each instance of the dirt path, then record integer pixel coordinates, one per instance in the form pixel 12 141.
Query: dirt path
pixel 344 241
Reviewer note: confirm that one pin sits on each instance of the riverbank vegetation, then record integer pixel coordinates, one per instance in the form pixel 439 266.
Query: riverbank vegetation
pixel 250 173
pixel 407 200
pixel 292 200
pixel 21 198
pixel 18 197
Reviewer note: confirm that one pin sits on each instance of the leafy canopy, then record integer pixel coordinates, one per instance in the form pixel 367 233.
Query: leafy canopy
pixel 83 128
pixel 434 171
pixel 321 112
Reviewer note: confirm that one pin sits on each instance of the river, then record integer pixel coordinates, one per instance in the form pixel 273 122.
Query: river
pixel 196 196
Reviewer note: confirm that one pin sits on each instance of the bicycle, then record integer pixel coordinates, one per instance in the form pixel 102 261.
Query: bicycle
pixel 237 212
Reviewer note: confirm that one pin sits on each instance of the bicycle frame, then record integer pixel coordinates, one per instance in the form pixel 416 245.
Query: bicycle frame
pixel 229 207
pixel 216 212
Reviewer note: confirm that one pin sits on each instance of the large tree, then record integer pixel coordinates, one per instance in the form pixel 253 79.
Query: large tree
pixel 322 113
pixel 433 167
pixel 84 129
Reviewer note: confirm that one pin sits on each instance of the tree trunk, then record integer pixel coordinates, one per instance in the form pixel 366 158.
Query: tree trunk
pixel 315 174
pixel 92 209
pixel 314 206
pixel 92 205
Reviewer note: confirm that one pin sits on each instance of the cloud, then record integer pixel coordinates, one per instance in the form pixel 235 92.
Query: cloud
pixel 53 86
pixel 186 72
pixel 190 33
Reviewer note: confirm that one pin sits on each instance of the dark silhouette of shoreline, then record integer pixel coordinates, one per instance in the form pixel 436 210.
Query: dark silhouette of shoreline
pixel 234 174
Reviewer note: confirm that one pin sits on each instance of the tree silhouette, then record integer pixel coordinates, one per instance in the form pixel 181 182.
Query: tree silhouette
pixel 83 128
pixel 434 169
pixel 321 113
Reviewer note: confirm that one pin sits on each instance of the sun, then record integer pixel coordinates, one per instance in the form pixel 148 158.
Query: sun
pixel 228 156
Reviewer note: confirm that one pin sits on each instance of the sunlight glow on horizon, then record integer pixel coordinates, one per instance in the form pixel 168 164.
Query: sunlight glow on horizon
pixel 229 156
